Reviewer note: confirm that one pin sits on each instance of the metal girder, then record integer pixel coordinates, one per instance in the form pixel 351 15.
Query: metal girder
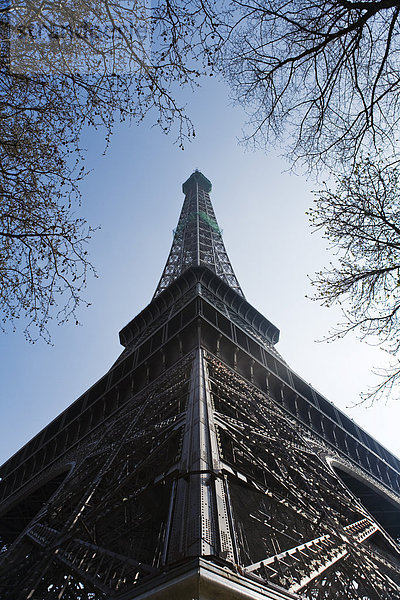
pixel 197 239
pixel 200 525
pixel 282 490
pixel 320 553
pixel 105 528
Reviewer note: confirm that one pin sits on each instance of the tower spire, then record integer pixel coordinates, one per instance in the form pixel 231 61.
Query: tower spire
pixel 197 237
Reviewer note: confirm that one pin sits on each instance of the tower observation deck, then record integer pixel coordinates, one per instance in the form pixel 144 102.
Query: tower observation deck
pixel 200 466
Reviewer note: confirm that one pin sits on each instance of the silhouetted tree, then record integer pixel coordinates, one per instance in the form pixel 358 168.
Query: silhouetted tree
pixel 324 75
pixel 65 67
pixel 361 220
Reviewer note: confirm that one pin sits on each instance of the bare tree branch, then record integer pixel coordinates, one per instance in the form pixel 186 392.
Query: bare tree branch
pixel 324 77
pixel 64 67
pixel 361 220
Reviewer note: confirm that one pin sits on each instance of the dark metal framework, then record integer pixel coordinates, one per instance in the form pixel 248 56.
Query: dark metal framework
pixel 197 238
pixel 200 443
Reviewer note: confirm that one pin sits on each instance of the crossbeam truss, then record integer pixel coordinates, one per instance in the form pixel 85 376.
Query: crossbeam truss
pixel 103 530
pixel 285 517
pixel 197 239
pixel 285 493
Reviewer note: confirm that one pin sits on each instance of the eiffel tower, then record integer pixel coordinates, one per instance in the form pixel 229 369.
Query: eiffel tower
pixel 200 467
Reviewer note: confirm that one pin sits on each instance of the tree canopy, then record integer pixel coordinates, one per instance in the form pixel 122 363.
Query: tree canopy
pixel 360 217
pixel 321 77
pixel 324 75
pixel 64 68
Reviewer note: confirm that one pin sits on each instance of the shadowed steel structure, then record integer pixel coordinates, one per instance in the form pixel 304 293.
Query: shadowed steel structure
pixel 197 238
pixel 200 466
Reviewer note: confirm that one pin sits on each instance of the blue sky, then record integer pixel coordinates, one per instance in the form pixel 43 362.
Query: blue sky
pixel 134 193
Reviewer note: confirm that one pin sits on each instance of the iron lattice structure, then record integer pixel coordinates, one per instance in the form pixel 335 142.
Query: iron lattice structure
pixel 200 466
pixel 197 238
